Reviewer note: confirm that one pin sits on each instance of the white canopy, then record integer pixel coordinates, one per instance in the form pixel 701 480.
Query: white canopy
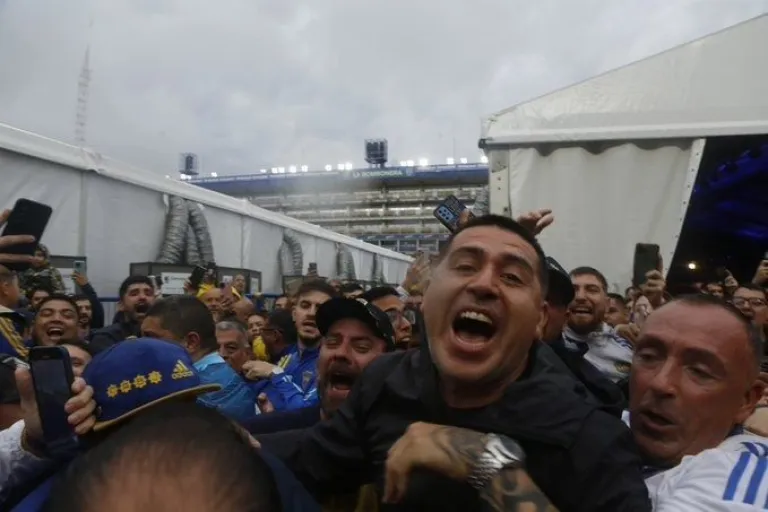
pixel 716 85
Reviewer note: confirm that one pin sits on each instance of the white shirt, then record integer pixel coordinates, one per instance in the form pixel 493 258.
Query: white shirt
pixel 16 464
pixel 730 477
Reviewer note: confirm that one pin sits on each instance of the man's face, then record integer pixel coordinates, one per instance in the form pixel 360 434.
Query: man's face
pixel 137 300
pixel 80 359
pixel 484 307
pixel 353 294
pixel 281 303
pixel 752 304
pixel 255 324
pixel 273 339
pixel 715 289
pixel 55 323
pixel 693 379
pixel 616 313
pixel 243 309
pixel 631 293
pixel 86 312
pixel 395 310
pixel 212 300
pixel 348 347
pixel 37 297
pixel 10 290
pixel 587 309
pixel 304 314
pixel 233 348
pixel 238 283
pixel 336 284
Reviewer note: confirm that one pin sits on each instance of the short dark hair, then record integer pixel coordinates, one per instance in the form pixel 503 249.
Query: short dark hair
pixel 262 314
pixel 79 297
pixel 131 280
pixel 351 288
pixel 39 287
pixel 706 300
pixel 590 271
pixel 79 344
pixel 60 297
pixel 510 225
pixel 165 442
pixel 316 285
pixel 379 292
pixel 618 298
pixel 182 314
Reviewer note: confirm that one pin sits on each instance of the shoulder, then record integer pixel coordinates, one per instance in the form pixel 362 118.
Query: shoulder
pixel 731 476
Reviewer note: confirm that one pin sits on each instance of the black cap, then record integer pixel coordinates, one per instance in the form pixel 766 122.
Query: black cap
pixel 337 309
pixel 560 285
pixel 282 320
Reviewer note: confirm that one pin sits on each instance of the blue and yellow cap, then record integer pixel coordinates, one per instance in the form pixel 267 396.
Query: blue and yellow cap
pixel 134 375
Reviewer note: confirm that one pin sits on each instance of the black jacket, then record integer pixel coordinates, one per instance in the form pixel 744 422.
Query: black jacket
pixel 581 457
pixel 283 420
pixel 102 339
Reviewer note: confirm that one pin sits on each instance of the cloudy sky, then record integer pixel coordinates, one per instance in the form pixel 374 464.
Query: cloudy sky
pixel 247 84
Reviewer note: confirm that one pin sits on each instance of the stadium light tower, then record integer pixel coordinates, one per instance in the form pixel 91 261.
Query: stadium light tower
pixel 189 166
pixel 377 152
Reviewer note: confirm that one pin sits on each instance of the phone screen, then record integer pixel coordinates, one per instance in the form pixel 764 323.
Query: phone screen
pixel 449 211
pixel 27 218
pixel 79 267
pixel 646 259
pixel 53 385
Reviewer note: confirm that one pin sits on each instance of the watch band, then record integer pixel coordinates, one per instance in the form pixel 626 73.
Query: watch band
pixel 500 453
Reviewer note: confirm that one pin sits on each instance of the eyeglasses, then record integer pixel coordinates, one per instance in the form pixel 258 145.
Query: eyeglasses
pixel 395 316
pixel 755 302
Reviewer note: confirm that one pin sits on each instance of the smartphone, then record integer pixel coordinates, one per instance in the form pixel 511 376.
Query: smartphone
pixel 448 212
pixel 52 378
pixel 647 258
pixel 79 267
pixel 197 276
pixel 27 218
pixel 312 268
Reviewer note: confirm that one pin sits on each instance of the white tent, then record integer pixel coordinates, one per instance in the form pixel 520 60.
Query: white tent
pixel 115 215
pixel 616 155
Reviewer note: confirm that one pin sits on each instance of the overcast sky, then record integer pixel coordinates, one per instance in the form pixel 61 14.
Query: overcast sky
pixel 247 84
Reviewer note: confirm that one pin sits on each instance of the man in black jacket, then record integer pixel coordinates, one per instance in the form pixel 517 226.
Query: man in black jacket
pixel 481 371
pixel 137 294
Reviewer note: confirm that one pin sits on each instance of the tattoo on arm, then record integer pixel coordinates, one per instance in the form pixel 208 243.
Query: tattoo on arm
pixel 512 490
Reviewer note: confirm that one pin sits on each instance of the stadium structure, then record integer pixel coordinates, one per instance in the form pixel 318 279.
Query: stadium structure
pixel 388 206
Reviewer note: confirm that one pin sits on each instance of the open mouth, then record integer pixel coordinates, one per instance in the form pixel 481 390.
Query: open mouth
pixel 341 380
pixel 474 327
pixel 141 308
pixel 657 419
pixel 54 332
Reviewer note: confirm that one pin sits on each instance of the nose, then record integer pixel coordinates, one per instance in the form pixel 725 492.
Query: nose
pixel 404 325
pixel 483 285
pixel 579 293
pixel 665 380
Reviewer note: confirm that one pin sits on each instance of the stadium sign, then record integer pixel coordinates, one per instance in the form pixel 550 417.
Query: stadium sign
pixel 379 173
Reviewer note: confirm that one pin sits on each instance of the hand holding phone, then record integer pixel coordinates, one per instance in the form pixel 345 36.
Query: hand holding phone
pixel 24 227
pixel 647 258
pixel 450 213
pixel 52 379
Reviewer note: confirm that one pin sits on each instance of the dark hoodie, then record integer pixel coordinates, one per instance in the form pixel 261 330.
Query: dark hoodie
pixel 580 456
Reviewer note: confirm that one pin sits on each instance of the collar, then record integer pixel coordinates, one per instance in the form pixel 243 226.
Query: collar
pixel 307 352
pixel 208 360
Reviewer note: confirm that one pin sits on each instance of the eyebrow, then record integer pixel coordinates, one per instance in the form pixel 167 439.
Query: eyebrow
pixel 507 258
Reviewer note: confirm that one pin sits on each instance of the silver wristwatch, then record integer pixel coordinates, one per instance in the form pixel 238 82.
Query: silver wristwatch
pixel 500 453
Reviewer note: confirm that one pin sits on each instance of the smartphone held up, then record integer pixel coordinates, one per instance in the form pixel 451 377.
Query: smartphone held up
pixel 28 218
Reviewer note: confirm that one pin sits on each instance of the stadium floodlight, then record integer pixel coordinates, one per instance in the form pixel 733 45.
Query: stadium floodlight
pixel 304 168
pixel 281 170
pixel 292 168
pixel 449 161
pixel 274 170
pixel 462 160
pixel 340 167
pixel 348 166
pixel 262 171
pixel 409 163
pixel 423 162
pixel 214 175
pixel 484 159
pixel 403 163
pixel 329 167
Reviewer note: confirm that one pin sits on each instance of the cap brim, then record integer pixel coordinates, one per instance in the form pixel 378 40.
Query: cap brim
pixel 191 392
pixel 561 284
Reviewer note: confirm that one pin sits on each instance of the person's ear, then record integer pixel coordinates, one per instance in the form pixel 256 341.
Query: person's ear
pixel 192 342
pixel 751 397
pixel 543 319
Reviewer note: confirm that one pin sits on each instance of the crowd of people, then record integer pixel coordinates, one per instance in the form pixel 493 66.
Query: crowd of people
pixel 490 379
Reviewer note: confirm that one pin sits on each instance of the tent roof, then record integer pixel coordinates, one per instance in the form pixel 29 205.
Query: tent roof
pixel 716 85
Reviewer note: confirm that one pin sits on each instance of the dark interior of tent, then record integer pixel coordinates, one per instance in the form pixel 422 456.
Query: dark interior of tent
pixel 727 215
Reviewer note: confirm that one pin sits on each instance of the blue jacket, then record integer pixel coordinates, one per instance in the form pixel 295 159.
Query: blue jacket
pixel 296 387
pixel 12 326
pixel 236 399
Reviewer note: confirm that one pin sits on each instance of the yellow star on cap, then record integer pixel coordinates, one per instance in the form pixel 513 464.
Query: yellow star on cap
pixel 112 391
pixel 155 377
pixel 139 381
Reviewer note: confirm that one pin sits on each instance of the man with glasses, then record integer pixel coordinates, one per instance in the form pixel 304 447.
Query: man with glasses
pixel 403 319
pixel 750 299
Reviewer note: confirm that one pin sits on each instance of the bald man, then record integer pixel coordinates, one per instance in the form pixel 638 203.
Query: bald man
pixel 243 309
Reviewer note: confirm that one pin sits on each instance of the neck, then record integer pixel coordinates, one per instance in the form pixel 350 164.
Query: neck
pixel 459 395
pixel 198 355
pixel 306 343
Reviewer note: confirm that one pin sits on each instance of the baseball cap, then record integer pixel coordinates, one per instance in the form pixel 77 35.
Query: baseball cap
pixel 336 309
pixel 560 285
pixel 134 375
